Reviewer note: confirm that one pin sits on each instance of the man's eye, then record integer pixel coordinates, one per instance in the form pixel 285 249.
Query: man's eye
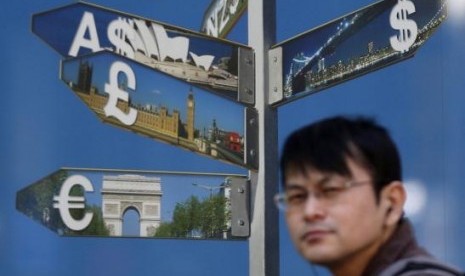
pixel 296 198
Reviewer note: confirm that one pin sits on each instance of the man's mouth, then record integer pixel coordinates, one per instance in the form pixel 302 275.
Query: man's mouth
pixel 315 235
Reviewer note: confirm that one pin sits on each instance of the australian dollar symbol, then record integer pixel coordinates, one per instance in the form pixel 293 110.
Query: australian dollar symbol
pixel 408 29
pixel 64 202
pixel 119 32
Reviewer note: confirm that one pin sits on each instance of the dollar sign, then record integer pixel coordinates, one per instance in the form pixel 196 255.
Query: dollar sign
pixel 64 202
pixel 408 29
pixel 115 93
pixel 119 32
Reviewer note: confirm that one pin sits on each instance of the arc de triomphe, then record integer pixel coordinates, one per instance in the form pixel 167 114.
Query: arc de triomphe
pixel 123 192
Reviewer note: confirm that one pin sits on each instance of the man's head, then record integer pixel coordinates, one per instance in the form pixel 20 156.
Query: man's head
pixel 342 189
pixel 325 146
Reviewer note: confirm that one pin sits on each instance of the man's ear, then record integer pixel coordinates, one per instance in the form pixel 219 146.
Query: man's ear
pixel 393 197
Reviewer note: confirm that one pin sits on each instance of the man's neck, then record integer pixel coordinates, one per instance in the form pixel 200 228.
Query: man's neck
pixel 353 266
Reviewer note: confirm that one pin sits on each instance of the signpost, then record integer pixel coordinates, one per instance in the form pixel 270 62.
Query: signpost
pixel 132 96
pixel 355 44
pixel 122 66
pixel 264 236
pixel 93 202
pixel 81 28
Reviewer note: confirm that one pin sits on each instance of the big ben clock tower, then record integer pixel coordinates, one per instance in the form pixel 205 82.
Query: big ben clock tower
pixel 190 116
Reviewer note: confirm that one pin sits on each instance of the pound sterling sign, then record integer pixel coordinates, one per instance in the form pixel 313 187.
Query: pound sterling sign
pixel 116 93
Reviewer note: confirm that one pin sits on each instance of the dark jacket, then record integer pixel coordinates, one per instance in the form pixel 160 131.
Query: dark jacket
pixel 401 255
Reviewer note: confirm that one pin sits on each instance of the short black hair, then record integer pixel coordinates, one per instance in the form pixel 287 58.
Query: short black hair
pixel 325 145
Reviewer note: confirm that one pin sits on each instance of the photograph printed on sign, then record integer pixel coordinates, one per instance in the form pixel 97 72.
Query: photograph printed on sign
pixel 221 16
pixel 369 39
pixel 112 203
pixel 137 98
pixel 79 29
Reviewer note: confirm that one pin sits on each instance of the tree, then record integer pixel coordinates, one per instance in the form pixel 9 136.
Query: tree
pixel 165 230
pixel 197 219
pixel 213 217
pixel 185 220
pixel 36 201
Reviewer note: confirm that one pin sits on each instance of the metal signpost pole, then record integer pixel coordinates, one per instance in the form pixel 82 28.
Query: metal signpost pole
pixel 264 238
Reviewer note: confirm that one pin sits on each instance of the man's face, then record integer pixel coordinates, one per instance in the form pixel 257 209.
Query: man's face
pixel 329 224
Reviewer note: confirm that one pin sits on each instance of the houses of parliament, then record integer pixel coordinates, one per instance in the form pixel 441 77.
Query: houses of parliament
pixel 156 122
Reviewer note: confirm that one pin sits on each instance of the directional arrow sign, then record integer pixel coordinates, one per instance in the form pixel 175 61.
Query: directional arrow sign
pixel 78 202
pixel 221 16
pixel 82 28
pixel 127 94
pixel 355 44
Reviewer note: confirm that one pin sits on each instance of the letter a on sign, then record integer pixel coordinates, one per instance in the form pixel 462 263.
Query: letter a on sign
pixel 87 25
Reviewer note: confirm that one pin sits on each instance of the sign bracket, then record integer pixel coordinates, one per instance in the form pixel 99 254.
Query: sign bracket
pixel 240 207
pixel 246 76
pixel 275 61
pixel 251 132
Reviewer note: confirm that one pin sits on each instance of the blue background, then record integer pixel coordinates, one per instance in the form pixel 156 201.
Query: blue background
pixel 44 127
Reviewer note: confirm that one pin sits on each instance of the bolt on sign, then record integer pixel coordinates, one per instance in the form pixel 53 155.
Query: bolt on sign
pixel 81 28
pixel 366 40
pixel 90 202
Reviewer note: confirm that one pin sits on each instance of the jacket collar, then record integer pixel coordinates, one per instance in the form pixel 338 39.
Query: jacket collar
pixel 400 245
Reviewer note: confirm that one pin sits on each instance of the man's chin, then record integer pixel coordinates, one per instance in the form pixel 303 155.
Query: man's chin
pixel 318 254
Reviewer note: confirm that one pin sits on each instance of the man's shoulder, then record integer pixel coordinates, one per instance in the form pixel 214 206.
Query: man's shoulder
pixel 421 265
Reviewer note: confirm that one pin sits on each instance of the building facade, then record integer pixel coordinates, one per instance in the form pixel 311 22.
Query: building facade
pixel 151 119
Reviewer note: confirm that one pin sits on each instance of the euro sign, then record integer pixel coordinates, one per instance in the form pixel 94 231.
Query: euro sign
pixel 408 29
pixel 64 202
pixel 117 92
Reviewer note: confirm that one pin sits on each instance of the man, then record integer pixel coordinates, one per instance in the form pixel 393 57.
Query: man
pixel 343 200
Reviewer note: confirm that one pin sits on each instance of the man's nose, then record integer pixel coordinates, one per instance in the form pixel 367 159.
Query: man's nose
pixel 314 208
